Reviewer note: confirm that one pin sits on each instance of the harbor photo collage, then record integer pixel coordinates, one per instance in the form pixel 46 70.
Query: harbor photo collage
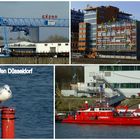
pixel 69 69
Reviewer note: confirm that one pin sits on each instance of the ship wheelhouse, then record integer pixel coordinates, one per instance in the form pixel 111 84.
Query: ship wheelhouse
pixel 95 113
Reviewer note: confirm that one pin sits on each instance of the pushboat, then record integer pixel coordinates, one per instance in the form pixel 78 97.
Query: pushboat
pixel 102 114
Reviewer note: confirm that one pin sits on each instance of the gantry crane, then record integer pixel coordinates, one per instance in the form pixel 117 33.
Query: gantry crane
pixel 24 24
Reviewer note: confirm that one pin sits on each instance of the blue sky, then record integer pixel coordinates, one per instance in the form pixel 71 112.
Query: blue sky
pixel 36 10
pixel 125 6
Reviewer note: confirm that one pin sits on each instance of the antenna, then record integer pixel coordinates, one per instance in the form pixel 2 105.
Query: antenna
pixel 74 75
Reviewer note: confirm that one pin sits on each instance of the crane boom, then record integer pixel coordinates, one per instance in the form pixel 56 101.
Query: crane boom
pixel 23 24
pixel 33 22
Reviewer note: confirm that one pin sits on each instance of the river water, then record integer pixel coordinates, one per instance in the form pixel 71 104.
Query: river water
pixel 33 101
pixel 95 131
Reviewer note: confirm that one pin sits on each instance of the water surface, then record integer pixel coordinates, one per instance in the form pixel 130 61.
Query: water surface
pixel 95 131
pixel 33 101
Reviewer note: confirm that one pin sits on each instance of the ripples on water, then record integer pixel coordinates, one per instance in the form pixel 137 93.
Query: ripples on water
pixel 95 131
pixel 33 101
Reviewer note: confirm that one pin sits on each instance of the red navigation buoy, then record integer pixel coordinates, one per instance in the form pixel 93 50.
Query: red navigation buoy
pixel 8 123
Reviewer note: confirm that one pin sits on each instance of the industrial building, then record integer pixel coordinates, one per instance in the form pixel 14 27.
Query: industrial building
pixel 108 32
pixel 76 18
pixel 84 33
pixel 118 40
pixel 124 78
pixel 40 48
pixel 115 82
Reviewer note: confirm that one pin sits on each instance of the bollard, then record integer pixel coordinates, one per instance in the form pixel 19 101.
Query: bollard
pixel 7 123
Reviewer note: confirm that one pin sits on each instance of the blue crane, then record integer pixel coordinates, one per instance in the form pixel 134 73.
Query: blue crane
pixel 23 24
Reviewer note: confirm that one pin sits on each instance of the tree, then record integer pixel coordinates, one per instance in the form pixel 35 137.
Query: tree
pixel 10 38
pixel 133 96
pixel 23 39
pixel 1 38
pixel 58 91
pixel 56 39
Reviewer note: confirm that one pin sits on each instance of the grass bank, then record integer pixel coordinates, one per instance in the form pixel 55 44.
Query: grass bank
pixel 72 104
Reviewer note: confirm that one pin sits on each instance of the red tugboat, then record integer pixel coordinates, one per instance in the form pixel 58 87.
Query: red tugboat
pixel 104 115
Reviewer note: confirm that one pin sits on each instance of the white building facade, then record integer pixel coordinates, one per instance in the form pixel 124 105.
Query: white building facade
pixel 124 77
pixel 40 47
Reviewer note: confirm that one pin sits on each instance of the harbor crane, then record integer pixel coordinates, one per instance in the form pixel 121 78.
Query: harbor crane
pixel 24 24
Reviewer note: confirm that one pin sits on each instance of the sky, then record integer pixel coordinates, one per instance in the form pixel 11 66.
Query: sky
pixel 125 6
pixel 36 10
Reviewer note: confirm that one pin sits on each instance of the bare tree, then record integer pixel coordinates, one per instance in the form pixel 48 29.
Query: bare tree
pixel 57 38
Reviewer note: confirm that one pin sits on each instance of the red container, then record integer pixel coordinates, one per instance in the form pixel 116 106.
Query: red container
pixel 8 123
